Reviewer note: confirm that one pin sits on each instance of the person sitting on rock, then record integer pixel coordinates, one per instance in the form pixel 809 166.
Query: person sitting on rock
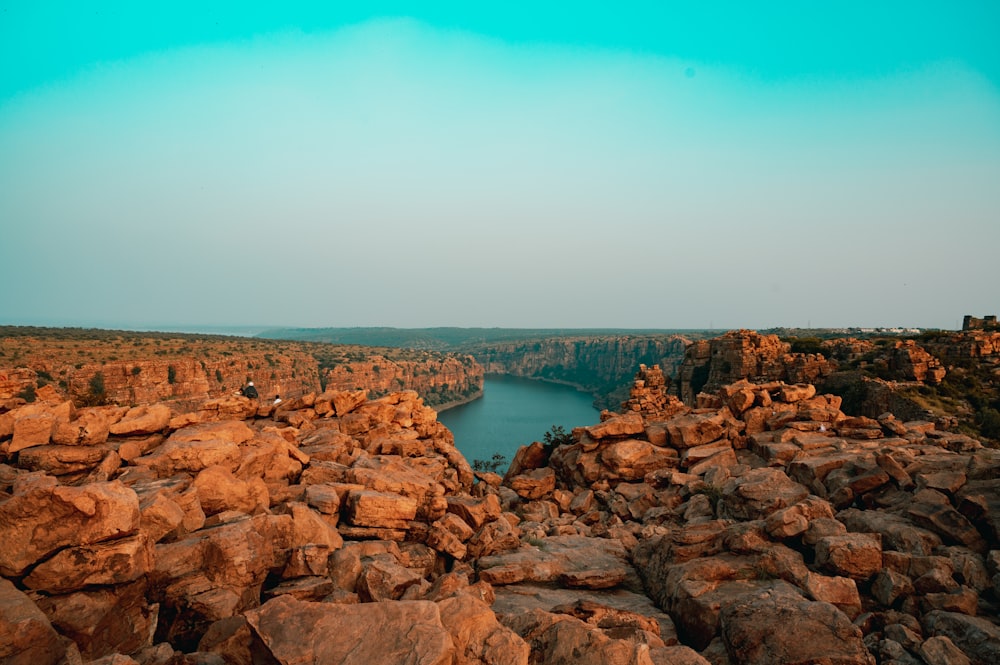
pixel 250 391
pixel 277 400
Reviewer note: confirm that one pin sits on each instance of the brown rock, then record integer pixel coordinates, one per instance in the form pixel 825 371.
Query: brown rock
pixel 841 592
pixel 104 620
pixel 758 493
pixel 177 455
pixel 113 562
pixel 294 631
pixel 380 509
pixel 31 430
pixel 696 429
pixel 632 459
pixel 218 490
pixel 475 512
pixel 769 627
pixel 478 636
pixel 854 555
pixel 90 426
pixel 534 484
pixel 942 651
pixel 950 524
pixel 576 561
pixel 45 519
pixel 890 585
pixel 145 419
pixel 978 638
pixel 797 392
pixel 625 425
pixel 62 460
pixel 26 636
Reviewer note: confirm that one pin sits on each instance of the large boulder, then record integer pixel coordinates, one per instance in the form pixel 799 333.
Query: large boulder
pixel 294 632
pixel 45 519
pixel 26 635
pixel 778 625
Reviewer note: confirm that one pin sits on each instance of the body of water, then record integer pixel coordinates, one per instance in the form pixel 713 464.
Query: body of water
pixel 512 413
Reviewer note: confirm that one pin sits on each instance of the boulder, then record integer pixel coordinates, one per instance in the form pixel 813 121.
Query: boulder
pixel 294 631
pixel 112 562
pixel 26 635
pixel 533 484
pixel 696 429
pixel 978 638
pixel 758 493
pixel 478 636
pixel 778 625
pixel 626 425
pixel 45 519
pixel 144 419
pixel 854 555
pixel 575 561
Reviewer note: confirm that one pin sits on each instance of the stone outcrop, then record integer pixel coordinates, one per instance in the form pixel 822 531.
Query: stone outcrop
pixel 744 354
pixel 338 527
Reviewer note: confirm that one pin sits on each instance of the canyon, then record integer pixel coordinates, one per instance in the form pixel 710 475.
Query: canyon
pixel 342 528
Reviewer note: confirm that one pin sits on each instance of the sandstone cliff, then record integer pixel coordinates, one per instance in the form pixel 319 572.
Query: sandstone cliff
pixel 440 380
pixel 600 365
pixel 338 528
pixel 88 367
pixel 745 354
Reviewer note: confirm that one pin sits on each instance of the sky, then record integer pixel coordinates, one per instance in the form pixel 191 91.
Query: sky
pixel 509 164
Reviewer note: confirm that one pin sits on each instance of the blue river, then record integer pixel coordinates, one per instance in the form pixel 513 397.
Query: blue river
pixel 512 413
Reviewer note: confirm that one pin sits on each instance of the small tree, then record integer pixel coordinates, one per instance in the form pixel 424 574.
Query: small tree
pixel 97 395
pixel 556 436
pixel 171 374
pixel 491 466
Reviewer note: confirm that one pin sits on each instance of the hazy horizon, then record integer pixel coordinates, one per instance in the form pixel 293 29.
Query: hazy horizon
pixel 655 166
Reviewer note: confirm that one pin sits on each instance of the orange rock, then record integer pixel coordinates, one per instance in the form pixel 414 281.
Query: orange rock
pixel 45 519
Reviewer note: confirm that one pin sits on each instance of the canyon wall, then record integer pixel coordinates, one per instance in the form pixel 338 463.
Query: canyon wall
pixel 440 381
pixel 601 365
pixel 90 370
pixel 744 354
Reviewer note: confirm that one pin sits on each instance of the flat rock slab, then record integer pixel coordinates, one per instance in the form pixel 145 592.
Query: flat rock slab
pixel 574 561
pixel 520 598
pixel 298 632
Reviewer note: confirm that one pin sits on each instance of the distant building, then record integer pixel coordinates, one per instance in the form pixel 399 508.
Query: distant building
pixel 985 323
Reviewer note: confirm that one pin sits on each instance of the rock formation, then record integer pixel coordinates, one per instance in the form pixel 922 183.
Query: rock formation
pixel 601 365
pixel 440 381
pixel 338 528
pixel 744 354
pixel 88 368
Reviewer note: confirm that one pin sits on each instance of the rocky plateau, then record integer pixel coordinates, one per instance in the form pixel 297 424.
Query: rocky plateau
pixel 760 525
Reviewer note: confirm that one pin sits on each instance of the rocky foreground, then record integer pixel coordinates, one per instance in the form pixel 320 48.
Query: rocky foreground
pixel 767 527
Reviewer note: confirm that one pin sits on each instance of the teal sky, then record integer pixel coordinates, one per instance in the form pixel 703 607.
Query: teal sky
pixel 635 165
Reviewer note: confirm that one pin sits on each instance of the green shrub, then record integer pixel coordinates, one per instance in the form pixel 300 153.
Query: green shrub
pixel 492 466
pixel 28 394
pixel 989 423
pixel 97 395
pixel 171 374
pixel 557 436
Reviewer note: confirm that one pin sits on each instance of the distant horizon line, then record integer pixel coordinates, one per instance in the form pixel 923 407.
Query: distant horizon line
pixel 251 330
